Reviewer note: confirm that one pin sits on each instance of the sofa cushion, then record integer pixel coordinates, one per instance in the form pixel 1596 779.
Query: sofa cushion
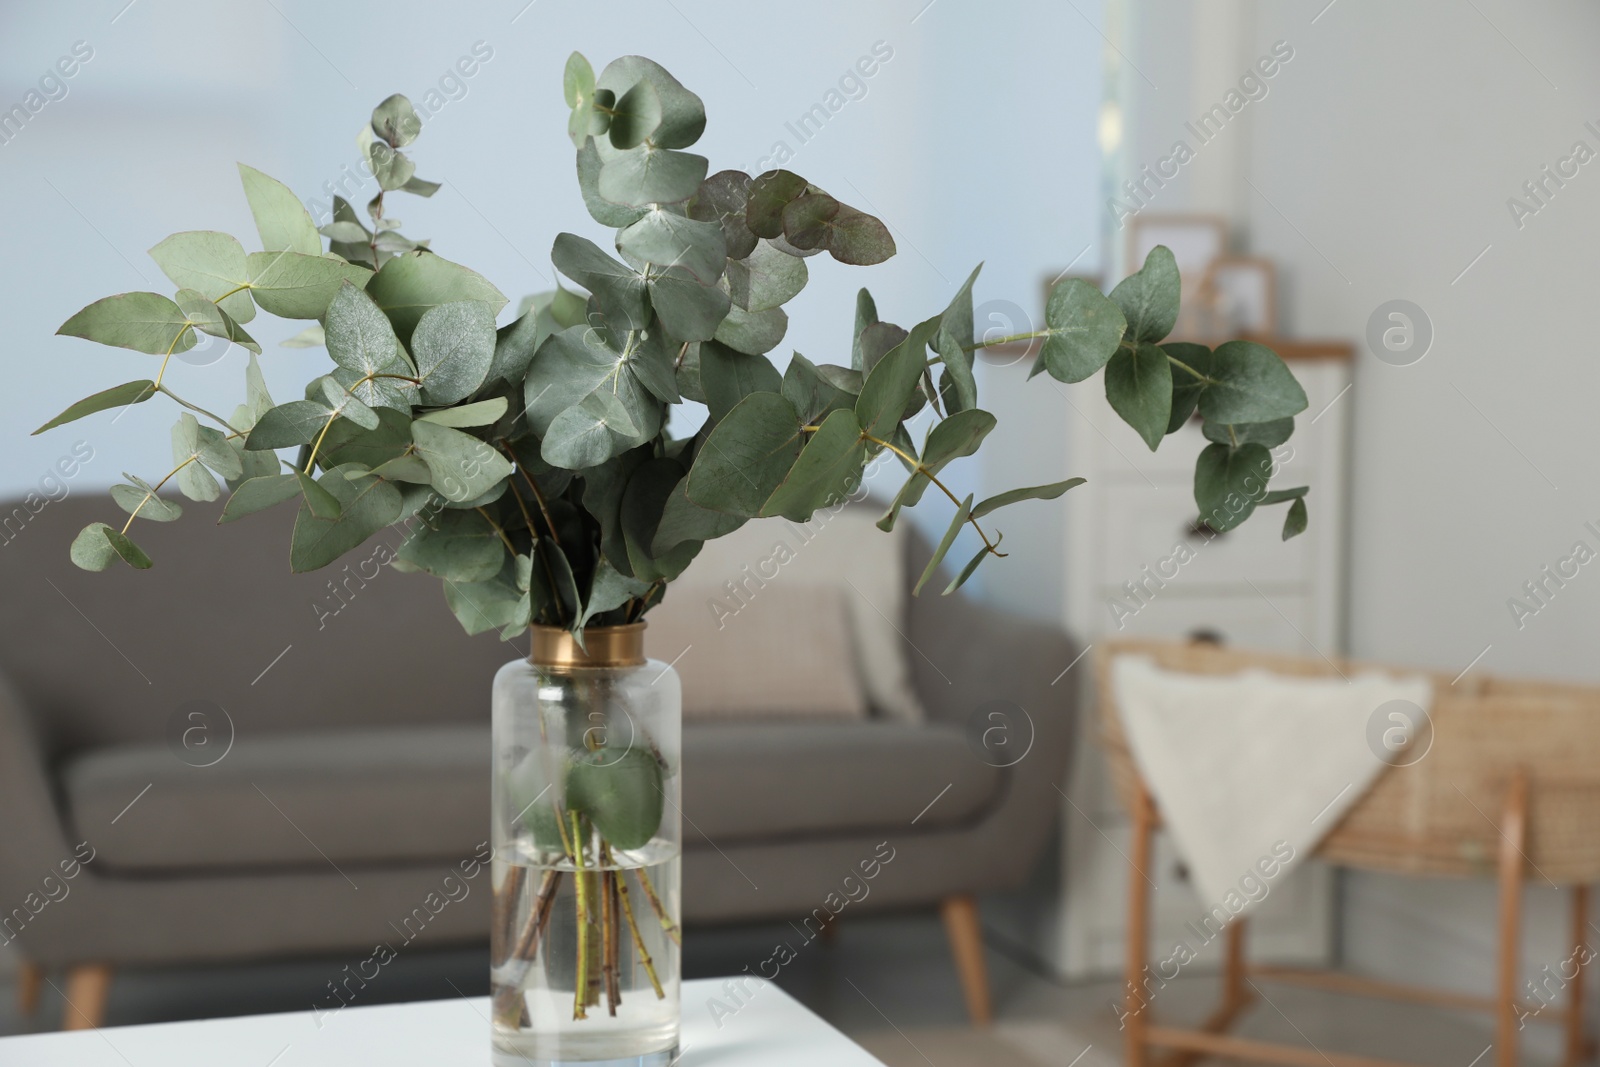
pixel 787 655
pixel 840 548
pixel 755 781
pixel 403 794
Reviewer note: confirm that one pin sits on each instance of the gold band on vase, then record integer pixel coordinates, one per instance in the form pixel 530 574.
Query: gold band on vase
pixel 604 646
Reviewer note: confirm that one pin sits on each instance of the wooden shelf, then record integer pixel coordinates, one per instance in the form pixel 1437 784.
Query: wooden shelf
pixel 1290 349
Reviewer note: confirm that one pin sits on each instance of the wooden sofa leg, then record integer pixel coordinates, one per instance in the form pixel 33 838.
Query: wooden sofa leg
pixel 30 976
pixel 962 926
pixel 87 985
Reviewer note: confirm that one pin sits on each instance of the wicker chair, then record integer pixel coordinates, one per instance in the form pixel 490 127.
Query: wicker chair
pixel 1510 784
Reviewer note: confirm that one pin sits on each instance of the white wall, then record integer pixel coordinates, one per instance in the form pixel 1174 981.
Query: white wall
pixel 1378 167
pixel 975 141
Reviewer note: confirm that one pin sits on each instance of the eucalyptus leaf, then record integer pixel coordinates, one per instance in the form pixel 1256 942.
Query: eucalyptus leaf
pixel 586 434
pixel 211 319
pixel 258 494
pixel 723 198
pixel 728 376
pixel 311 337
pixel 483 413
pixel 366 505
pixel 483 606
pixel 1278 496
pixel 747 456
pixel 1272 434
pixel 770 193
pixel 812 395
pixel 1294 523
pixel 1139 388
pixel 765 278
pixel 617 288
pixel 690 310
pixel 621 793
pixel 866 315
pixel 140 500
pixel 1186 386
pixel 323 504
pixel 1251 384
pixel 363 343
pixel 683 115
pixel 454 346
pixel 959 519
pixel 828 470
pixel 753 333
pixel 463 467
pixel 644 501
pixel 296 423
pixel 665 239
pixel 410 284
pixel 609 589
pixel 396 121
pixel 635 116
pixel 684 520
pixel 602 210
pixel 1230 482
pixel 1032 492
pixel 144 322
pixel 889 387
pixel 98 545
pixel 295 286
pixel 281 220
pixel 648 175
pixel 1083 328
pixel 212 264
pixel 136 392
pixel 1149 299
pixel 458 546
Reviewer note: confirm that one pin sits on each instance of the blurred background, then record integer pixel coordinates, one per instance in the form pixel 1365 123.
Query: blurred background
pixel 1426 153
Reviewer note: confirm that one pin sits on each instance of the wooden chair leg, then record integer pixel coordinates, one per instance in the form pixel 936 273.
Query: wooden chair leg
pixel 1134 1021
pixel 1513 839
pixel 1576 1043
pixel 87 985
pixel 961 925
pixel 1234 993
pixel 30 976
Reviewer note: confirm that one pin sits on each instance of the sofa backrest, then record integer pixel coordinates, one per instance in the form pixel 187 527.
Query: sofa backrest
pixel 113 657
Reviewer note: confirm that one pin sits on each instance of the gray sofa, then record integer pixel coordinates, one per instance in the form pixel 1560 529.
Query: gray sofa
pixel 220 761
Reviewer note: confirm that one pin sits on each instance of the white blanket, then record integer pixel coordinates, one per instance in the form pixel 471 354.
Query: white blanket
pixel 1250 771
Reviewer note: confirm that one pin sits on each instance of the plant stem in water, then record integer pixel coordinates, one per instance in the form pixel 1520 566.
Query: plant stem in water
pixel 655 903
pixel 638 941
pixel 580 984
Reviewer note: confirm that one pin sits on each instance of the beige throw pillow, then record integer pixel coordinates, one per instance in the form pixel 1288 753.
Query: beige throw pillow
pixel 841 550
pixel 786 655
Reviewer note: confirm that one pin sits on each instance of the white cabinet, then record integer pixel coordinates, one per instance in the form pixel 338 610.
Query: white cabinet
pixel 1247 587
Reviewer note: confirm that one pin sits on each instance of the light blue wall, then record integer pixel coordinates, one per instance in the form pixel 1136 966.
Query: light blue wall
pixel 975 141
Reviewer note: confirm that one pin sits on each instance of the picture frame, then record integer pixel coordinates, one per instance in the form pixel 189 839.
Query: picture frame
pixel 1196 242
pixel 1242 293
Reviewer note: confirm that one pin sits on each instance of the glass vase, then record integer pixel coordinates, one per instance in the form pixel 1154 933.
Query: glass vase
pixel 587 836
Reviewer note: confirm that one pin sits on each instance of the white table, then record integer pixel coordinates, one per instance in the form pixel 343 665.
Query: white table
pixel 772 1029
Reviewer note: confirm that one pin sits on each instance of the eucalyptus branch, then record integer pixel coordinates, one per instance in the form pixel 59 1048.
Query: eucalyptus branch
pixel 188 327
pixel 317 444
pixel 974 346
pixel 1181 365
pixel 218 419
pixel 154 489
pixel 918 467
pixel 497 529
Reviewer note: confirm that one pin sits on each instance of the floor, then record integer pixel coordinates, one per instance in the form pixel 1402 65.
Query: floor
pixel 886 981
